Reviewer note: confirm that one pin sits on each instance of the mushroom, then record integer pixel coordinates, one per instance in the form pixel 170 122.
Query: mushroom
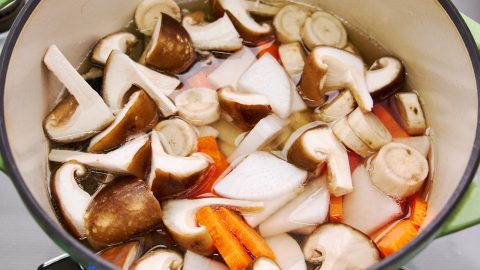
pixel 338 108
pixel 245 109
pixel 309 208
pixel 219 35
pixel 314 147
pixel 122 41
pixel 121 255
pixel 81 115
pixel 120 74
pixel 268 78
pixel 322 28
pixel 369 129
pixel 340 247
pixel 293 58
pixel 289 21
pixel 347 136
pixel 148 12
pixel 138 116
pixel 411 113
pixel 385 77
pixel 180 136
pixel 199 105
pixel 123 208
pixel 171 175
pixel 260 177
pixel 287 252
pixel 229 71
pixel 193 261
pixel 71 200
pixel 171 47
pixel 249 29
pixel 328 69
pixel 159 259
pixel 259 9
pixel 132 158
pixel 179 218
pixel 263 263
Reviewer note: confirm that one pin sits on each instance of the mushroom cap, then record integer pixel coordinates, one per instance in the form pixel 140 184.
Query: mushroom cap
pixel 123 208
pixel 385 77
pixel 122 41
pixel 121 255
pixel 159 259
pixel 172 48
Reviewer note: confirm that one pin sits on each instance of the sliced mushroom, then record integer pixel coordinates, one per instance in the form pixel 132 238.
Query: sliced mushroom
pixel 198 106
pixel 260 177
pixel 293 58
pixel 338 108
pixel 230 70
pixel 369 129
pixel 328 69
pixel 322 28
pixel 347 136
pixel 138 116
pixel 258 9
pixel 148 12
pixel 287 252
pixel 309 208
pixel 159 259
pixel 180 136
pixel 385 77
pixel 71 200
pixel 246 109
pixel 179 218
pixel 289 21
pixel 123 208
pixel 411 113
pixel 340 247
pixel 80 116
pixel 121 255
pixel 193 261
pixel 171 47
pixel 172 175
pixel 263 263
pixel 318 145
pixel 132 158
pixel 398 170
pixel 122 41
pixel 120 74
pixel 219 35
pixel 268 78
pixel 249 29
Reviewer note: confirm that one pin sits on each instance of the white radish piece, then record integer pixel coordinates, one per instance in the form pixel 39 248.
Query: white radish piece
pixel 148 12
pixel 122 41
pixel 369 129
pixel 338 108
pixel 264 263
pixel 366 208
pixel 180 135
pixel 193 261
pixel 419 143
pixel 262 134
pixel 268 78
pixel 307 209
pixel 260 177
pixel 287 252
pixel 167 84
pixel 322 28
pixel 230 70
pixel 198 106
pixel 289 21
pixel 411 113
pixel 398 170
pixel 293 58
pixel 345 134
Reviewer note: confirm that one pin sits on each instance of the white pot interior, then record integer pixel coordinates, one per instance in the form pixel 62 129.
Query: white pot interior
pixel 418 32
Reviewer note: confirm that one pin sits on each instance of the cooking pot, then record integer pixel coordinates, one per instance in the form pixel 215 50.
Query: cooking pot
pixel 431 38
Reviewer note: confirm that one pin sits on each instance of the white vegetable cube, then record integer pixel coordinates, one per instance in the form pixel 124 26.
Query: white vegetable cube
pixel 411 113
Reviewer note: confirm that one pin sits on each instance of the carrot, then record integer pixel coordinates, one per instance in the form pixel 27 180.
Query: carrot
pixel 336 209
pixel 399 236
pixel 418 211
pixel 389 122
pixel 246 234
pixel 227 245
pixel 272 50
pixel 354 160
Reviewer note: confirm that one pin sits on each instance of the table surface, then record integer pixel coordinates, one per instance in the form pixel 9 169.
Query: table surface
pixel 25 246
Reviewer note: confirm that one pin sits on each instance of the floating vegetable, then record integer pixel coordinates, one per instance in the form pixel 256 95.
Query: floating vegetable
pixel 322 28
pixel 289 21
pixel 385 77
pixel 149 11
pixel 122 41
pixel 338 108
pixel 411 113
pixel 199 106
pixel 179 135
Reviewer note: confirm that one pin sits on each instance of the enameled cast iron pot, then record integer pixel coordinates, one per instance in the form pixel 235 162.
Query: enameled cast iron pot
pixel 430 36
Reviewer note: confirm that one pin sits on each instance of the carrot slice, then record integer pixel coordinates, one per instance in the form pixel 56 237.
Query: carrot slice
pixel 246 234
pixel 354 160
pixel 273 50
pixel 418 208
pixel 389 122
pixel 227 245
pixel 399 236
pixel 336 209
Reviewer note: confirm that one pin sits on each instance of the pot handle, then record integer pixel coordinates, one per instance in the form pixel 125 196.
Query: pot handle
pixel 467 213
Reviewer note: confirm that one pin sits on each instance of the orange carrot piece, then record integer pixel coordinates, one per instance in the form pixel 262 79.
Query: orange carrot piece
pixel 227 245
pixel 418 211
pixel 336 209
pixel 246 234
pixel 399 236
pixel 389 121
pixel 354 160
pixel 273 50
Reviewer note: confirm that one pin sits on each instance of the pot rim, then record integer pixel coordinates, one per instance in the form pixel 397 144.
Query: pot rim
pixel 87 257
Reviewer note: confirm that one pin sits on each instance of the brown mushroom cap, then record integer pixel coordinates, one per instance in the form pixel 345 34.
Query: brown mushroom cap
pixel 123 208
pixel 313 78
pixel 173 51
